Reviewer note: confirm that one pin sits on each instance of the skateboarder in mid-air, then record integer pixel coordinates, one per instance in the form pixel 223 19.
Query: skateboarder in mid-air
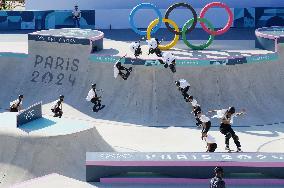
pixel 206 123
pixel 118 69
pixel 169 60
pixel 210 142
pixel 16 105
pixel 135 47
pixel 226 116
pixel 195 109
pixel 57 107
pixel 153 45
pixel 94 98
pixel 183 86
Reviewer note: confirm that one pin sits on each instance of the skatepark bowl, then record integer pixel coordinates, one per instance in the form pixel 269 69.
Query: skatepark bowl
pixel 145 113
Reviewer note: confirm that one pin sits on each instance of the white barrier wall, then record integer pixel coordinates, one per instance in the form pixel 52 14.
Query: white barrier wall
pixel 116 12
pixel 119 18
pixel 128 4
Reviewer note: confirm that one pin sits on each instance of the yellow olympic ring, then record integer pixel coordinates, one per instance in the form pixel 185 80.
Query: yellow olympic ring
pixel 171 22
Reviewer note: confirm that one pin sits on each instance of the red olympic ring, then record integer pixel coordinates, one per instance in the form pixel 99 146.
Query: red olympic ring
pixel 229 23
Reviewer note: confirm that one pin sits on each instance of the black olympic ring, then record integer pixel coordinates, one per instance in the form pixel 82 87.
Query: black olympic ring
pixel 176 5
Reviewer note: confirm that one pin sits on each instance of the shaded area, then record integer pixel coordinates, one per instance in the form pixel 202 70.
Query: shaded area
pixel 37 125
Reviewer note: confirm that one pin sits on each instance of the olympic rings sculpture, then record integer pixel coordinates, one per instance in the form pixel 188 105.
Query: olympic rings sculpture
pixel 188 27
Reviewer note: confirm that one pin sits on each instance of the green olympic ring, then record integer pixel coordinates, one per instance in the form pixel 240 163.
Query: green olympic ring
pixel 202 46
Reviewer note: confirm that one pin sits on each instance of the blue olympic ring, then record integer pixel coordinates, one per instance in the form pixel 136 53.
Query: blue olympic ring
pixel 145 6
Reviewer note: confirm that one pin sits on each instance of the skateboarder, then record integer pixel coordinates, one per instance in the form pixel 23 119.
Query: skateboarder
pixel 16 105
pixel 217 181
pixel 169 60
pixel 206 123
pixel 57 107
pixel 210 142
pixel 118 70
pixel 226 116
pixel 94 98
pixel 195 109
pixel 136 48
pixel 153 45
pixel 183 86
pixel 76 16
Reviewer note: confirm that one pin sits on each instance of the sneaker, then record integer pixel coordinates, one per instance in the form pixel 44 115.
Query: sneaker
pixel 227 148
pixel 239 150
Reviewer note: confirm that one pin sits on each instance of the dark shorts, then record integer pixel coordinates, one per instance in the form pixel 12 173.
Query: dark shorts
pixel 196 109
pixel 14 110
pixel 207 127
pixel 224 128
pixel 95 100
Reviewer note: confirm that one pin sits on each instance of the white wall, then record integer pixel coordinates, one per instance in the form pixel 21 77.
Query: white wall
pixel 129 4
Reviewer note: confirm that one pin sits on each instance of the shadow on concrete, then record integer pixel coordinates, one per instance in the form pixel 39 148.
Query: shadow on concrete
pixel 37 125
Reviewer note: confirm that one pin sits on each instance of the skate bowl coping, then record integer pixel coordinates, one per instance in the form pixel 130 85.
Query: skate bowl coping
pixel 101 165
pixel 268 38
pixel 94 38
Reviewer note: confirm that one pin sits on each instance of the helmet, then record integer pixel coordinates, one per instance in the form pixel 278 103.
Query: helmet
pixel 118 64
pixel 61 96
pixel 177 83
pixel 94 85
pixel 232 110
pixel 218 169
pixel 21 96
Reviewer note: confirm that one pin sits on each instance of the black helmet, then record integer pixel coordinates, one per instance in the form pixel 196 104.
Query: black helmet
pixel 177 83
pixel 21 96
pixel 61 96
pixel 218 169
pixel 232 110
pixel 94 85
pixel 118 63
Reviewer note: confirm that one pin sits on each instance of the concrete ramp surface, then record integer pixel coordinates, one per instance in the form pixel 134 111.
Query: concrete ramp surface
pixel 149 98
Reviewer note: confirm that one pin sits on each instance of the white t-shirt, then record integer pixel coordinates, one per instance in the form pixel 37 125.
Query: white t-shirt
pixel 76 13
pixel 183 83
pixel 210 139
pixel 55 104
pixel 168 58
pixel 15 103
pixel 221 114
pixel 204 119
pixel 115 70
pixel 194 103
pixel 91 95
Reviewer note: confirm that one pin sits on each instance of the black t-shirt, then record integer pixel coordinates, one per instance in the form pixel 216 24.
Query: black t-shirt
pixel 217 182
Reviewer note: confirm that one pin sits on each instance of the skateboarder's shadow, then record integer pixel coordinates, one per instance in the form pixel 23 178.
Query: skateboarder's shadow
pixel 37 125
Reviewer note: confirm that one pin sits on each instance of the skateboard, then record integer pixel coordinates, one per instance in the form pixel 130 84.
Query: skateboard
pixel 231 150
pixel 128 73
pixel 95 109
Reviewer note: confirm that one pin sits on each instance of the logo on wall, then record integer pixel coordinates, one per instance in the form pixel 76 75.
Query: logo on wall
pixel 64 69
